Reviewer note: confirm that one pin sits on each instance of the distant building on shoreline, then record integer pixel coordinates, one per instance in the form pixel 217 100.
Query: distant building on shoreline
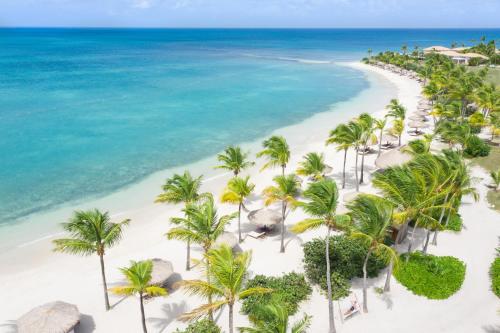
pixel 457 54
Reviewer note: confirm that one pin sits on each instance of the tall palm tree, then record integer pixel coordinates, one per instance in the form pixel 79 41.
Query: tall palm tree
pixel 372 220
pixel 277 152
pixel 202 226
pixel 396 110
pixel 279 322
pixel 495 176
pixel 186 189
pixel 366 122
pixel 398 126
pixel 380 125
pixel 488 98
pixel 286 190
pixel 91 232
pixel 313 165
pixel 228 276
pixel 138 276
pixel 344 137
pixel 234 159
pixel 322 204
pixel 237 190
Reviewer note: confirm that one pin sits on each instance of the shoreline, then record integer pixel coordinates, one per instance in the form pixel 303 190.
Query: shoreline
pixel 39 227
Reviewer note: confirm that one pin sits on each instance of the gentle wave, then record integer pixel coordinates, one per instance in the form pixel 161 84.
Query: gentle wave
pixel 299 60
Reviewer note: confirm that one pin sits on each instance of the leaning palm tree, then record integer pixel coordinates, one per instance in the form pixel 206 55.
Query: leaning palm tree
pixel 344 137
pixel 237 190
pixel 372 221
pixel 367 137
pixel 202 226
pixel 313 165
pixel 279 322
pixel 234 159
pixel 322 205
pixel 138 276
pixel 286 190
pixel 398 126
pixel 227 283
pixel 495 176
pixel 277 152
pixel 91 232
pixel 186 189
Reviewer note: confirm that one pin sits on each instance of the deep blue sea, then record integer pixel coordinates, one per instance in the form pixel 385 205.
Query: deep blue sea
pixel 84 112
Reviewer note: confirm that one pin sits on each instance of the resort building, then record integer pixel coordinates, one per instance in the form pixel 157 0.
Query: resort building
pixel 455 54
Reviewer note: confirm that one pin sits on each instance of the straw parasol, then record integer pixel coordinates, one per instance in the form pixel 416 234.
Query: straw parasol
pixel 328 169
pixel 417 118
pixel 227 238
pixel 388 138
pixel 392 158
pixel 162 270
pixel 418 124
pixel 265 218
pixel 53 317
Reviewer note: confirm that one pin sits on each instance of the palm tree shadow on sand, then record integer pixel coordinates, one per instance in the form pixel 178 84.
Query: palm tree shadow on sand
pixel 170 313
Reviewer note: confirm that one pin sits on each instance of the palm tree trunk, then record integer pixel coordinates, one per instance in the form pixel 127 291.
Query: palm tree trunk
pixel 231 317
pixel 365 296
pixel 143 316
pixel 399 140
pixel 104 284
pixel 207 267
pixel 380 142
pixel 188 255
pixel 427 237
pixel 410 244
pixel 283 169
pixel 331 318
pixel 387 286
pixel 434 239
pixel 343 169
pixel 283 211
pixel 356 169
pixel 239 223
pixel 362 165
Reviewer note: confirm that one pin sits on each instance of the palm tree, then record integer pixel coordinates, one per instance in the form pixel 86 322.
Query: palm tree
pixel 313 165
pixel 396 110
pixel 228 275
pixel 322 205
pixel 488 98
pixel 202 226
pixel 344 137
pixel 495 176
pixel 372 221
pixel 138 276
pixel 380 125
pixel 237 190
pixel 279 322
pixel 398 126
pixel 91 232
pixel 366 122
pixel 277 152
pixel 286 190
pixel 234 159
pixel 182 188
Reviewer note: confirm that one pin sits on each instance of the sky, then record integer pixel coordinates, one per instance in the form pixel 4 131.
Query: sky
pixel 252 13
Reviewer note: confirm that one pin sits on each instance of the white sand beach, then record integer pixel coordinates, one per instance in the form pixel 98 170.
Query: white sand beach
pixel 32 275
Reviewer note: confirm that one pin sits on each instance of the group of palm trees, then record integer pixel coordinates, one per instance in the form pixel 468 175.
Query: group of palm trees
pixel 424 193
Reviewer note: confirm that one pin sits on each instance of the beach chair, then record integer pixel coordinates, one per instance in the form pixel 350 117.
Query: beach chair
pixel 351 309
pixel 256 235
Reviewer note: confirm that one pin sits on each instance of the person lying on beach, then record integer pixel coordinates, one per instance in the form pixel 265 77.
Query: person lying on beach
pixel 354 306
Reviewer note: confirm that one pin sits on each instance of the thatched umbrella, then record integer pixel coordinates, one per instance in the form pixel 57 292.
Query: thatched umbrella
pixel 162 270
pixel 351 196
pixel 264 218
pixel 392 158
pixel 418 124
pixel 227 238
pixel 388 138
pixel 328 169
pixel 417 118
pixel 53 317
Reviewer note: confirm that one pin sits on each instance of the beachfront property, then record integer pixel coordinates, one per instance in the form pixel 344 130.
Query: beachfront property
pixel 458 54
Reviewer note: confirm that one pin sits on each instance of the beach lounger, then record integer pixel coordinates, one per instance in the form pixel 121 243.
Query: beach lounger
pixel 256 235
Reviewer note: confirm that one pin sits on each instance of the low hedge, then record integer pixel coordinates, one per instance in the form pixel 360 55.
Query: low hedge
pixel 455 222
pixel 495 276
pixel 288 290
pixel 346 262
pixel 431 276
pixel 201 326
pixel 475 147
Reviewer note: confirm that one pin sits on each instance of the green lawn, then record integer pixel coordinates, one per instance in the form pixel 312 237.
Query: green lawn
pixel 493 74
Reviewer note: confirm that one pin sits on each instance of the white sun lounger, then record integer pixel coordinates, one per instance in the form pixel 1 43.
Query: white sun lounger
pixel 256 235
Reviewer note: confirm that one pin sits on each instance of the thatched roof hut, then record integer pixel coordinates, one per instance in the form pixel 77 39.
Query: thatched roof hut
pixel 53 317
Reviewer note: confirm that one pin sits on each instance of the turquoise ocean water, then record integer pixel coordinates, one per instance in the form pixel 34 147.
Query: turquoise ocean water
pixel 84 112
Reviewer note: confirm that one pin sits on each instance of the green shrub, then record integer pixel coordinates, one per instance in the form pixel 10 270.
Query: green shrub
pixel 495 276
pixel 431 276
pixel 455 222
pixel 346 262
pixel 475 147
pixel 201 326
pixel 288 291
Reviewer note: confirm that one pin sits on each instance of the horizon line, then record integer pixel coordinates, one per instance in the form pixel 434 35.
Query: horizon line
pixel 248 28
